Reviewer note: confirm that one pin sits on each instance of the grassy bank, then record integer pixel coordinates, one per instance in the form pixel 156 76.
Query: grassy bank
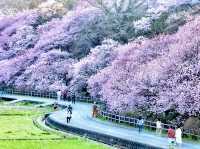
pixel 47 144
pixel 19 132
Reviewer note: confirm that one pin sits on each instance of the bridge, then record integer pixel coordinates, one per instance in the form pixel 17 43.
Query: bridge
pixel 107 132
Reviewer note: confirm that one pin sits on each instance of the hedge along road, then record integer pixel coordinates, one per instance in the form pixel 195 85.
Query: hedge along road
pixel 81 118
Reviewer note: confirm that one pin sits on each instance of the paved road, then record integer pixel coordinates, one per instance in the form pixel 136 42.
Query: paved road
pixel 81 118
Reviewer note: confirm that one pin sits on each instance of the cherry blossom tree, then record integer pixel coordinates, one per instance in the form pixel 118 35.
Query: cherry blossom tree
pixel 27 43
pixel 70 34
pixel 17 33
pixel 99 58
pixel 70 52
pixel 48 73
pixel 154 75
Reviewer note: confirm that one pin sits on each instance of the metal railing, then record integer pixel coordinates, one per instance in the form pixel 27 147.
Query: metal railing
pixel 34 93
pixel 147 124
pixel 132 121
pixel 29 93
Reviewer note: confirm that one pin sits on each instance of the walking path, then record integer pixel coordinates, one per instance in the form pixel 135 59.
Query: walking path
pixel 81 118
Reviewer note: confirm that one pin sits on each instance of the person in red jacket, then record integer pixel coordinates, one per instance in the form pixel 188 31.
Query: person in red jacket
pixel 171 136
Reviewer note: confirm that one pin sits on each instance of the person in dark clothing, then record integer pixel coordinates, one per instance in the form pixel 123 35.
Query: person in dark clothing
pixel 65 95
pixel 69 99
pixel 73 100
pixel 70 108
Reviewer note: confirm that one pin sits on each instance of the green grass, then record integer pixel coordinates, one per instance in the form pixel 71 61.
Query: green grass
pixel 12 112
pixel 2 102
pixel 27 103
pixel 18 124
pixel 56 144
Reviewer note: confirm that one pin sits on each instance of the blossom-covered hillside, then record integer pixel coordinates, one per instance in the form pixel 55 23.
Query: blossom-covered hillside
pixel 154 75
pixel 25 37
pixel 140 56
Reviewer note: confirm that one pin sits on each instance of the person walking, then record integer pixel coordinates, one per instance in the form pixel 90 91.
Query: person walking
pixel 69 99
pixel 178 135
pixel 70 108
pixel 73 100
pixel 140 124
pixel 158 127
pixel 59 95
pixel 65 95
pixel 94 110
pixel 68 116
pixel 171 137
